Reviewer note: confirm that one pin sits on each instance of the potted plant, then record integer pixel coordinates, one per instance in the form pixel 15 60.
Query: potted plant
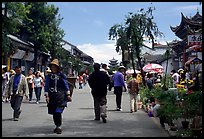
pixel 190 105
pixel 169 107
pixel 143 97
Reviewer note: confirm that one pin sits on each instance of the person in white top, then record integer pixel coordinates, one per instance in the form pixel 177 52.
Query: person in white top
pixel 38 81
pixel 30 79
pixel 175 76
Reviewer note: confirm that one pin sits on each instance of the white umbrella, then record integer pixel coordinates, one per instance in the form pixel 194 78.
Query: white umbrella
pixel 131 71
pixel 153 67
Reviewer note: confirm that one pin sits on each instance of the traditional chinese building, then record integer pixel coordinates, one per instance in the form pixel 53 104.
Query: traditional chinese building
pixel 113 63
pixel 190 33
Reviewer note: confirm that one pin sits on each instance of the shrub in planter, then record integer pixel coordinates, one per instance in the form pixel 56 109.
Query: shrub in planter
pixel 191 105
pixel 148 96
pixel 143 96
pixel 169 108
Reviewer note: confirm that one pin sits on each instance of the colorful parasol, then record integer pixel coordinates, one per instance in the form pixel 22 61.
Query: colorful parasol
pixel 153 68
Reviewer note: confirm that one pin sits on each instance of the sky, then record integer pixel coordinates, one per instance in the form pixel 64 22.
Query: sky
pixel 86 24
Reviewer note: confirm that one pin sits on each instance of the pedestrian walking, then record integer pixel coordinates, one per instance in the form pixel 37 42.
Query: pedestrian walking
pixel 133 87
pixel 5 78
pixel 57 94
pixel 98 82
pixel 8 97
pixel 119 84
pixel 17 88
pixel 30 79
pixel 105 68
pixel 81 80
pixel 150 85
pixel 38 82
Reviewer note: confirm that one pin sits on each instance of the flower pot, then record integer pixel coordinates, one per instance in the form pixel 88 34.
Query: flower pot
pixel 197 132
pixel 185 124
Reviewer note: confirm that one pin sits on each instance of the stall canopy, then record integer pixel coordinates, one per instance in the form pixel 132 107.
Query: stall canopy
pixel 193 60
pixel 196 48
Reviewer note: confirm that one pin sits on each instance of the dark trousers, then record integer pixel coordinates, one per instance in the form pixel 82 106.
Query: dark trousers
pixel 38 92
pixel 30 91
pixel 118 92
pixel 57 117
pixel 16 101
pixel 100 106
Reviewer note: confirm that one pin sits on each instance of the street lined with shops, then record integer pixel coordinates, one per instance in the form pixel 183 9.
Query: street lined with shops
pixel 78 119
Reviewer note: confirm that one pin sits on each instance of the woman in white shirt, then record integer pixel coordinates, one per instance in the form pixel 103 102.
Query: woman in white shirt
pixel 30 79
pixel 38 81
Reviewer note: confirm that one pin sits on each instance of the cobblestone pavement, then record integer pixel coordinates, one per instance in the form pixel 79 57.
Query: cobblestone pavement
pixel 78 119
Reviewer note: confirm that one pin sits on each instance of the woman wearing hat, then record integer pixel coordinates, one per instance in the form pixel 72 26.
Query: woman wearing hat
pixel 57 94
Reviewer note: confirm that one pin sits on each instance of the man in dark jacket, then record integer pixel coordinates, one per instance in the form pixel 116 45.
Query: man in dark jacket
pixel 98 82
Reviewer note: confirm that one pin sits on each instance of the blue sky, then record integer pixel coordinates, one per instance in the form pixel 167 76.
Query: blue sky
pixel 86 24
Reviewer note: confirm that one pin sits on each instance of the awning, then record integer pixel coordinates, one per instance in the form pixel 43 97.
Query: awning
pixel 86 62
pixel 19 54
pixel 193 60
pixel 195 48
pixel 17 39
pixel 28 56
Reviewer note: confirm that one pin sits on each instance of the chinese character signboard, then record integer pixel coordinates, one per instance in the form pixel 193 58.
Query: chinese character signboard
pixel 195 39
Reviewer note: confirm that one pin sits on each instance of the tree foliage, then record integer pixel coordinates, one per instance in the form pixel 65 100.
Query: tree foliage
pixel 132 34
pixel 42 28
pixel 12 16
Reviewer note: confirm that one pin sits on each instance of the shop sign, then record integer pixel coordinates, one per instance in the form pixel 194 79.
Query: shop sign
pixel 195 39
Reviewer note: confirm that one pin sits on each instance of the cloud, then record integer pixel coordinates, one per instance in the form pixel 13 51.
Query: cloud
pixel 101 53
pixel 188 8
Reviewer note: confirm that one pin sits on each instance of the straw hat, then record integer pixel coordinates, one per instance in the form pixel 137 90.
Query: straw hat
pixel 12 72
pixel 55 62
pixel 180 70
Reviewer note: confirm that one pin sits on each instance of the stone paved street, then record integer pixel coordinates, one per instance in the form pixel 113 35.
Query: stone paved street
pixel 78 120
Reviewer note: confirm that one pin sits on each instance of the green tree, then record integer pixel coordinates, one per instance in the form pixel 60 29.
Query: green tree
pixel 42 27
pixel 56 33
pixel 137 27
pixel 167 56
pixel 118 32
pixel 12 16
